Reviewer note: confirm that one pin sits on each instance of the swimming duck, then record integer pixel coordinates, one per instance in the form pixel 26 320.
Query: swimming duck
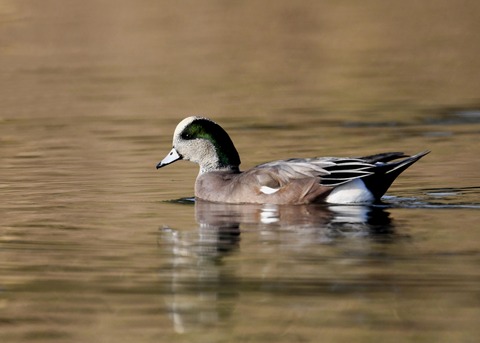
pixel 292 181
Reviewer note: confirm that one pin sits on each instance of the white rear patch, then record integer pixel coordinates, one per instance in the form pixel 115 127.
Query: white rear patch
pixel 350 193
pixel 268 190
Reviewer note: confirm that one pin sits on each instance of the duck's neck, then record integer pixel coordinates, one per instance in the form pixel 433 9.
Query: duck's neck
pixel 217 154
pixel 227 157
pixel 220 158
pixel 218 167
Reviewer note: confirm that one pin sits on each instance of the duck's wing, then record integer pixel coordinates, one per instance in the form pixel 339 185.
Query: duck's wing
pixel 383 157
pixel 377 171
pixel 330 171
pixel 335 171
pixel 301 180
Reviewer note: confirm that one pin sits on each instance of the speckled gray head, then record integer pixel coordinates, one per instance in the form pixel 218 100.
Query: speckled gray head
pixel 202 141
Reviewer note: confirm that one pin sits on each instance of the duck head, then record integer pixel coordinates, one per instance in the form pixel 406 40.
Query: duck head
pixel 202 141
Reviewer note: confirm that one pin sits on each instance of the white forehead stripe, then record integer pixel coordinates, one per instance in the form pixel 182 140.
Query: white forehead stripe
pixel 182 125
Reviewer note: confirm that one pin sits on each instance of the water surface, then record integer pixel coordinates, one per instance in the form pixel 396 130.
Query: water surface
pixel 95 245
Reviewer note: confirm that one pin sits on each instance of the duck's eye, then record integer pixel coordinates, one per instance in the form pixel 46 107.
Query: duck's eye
pixel 186 135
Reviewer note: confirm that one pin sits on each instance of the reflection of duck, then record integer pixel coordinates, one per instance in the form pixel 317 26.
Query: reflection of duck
pixel 204 290
pixel 332 220
pixel 293 181
pixel 327 222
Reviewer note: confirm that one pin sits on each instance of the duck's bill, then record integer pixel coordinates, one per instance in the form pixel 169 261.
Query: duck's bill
pixel 172 156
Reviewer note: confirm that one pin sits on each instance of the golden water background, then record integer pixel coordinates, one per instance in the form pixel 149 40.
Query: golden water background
pixel 92 249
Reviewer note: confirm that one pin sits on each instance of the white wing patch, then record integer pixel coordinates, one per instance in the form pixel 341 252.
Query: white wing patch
pixel 268 190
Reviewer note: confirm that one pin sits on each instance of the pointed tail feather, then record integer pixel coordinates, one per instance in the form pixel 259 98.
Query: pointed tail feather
pixel 385 173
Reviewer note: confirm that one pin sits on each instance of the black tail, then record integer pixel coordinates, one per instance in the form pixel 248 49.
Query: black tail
pixel 385 173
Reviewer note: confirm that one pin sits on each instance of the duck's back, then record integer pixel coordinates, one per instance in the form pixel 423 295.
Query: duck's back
pixel 259 185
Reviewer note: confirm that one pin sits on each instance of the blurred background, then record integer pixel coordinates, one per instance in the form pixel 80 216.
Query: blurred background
pixel 272 60
pixel 90 93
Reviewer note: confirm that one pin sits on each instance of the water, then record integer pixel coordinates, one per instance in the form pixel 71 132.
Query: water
pixel 95 245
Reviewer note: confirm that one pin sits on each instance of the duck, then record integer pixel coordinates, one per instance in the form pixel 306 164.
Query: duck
pixel 293 181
